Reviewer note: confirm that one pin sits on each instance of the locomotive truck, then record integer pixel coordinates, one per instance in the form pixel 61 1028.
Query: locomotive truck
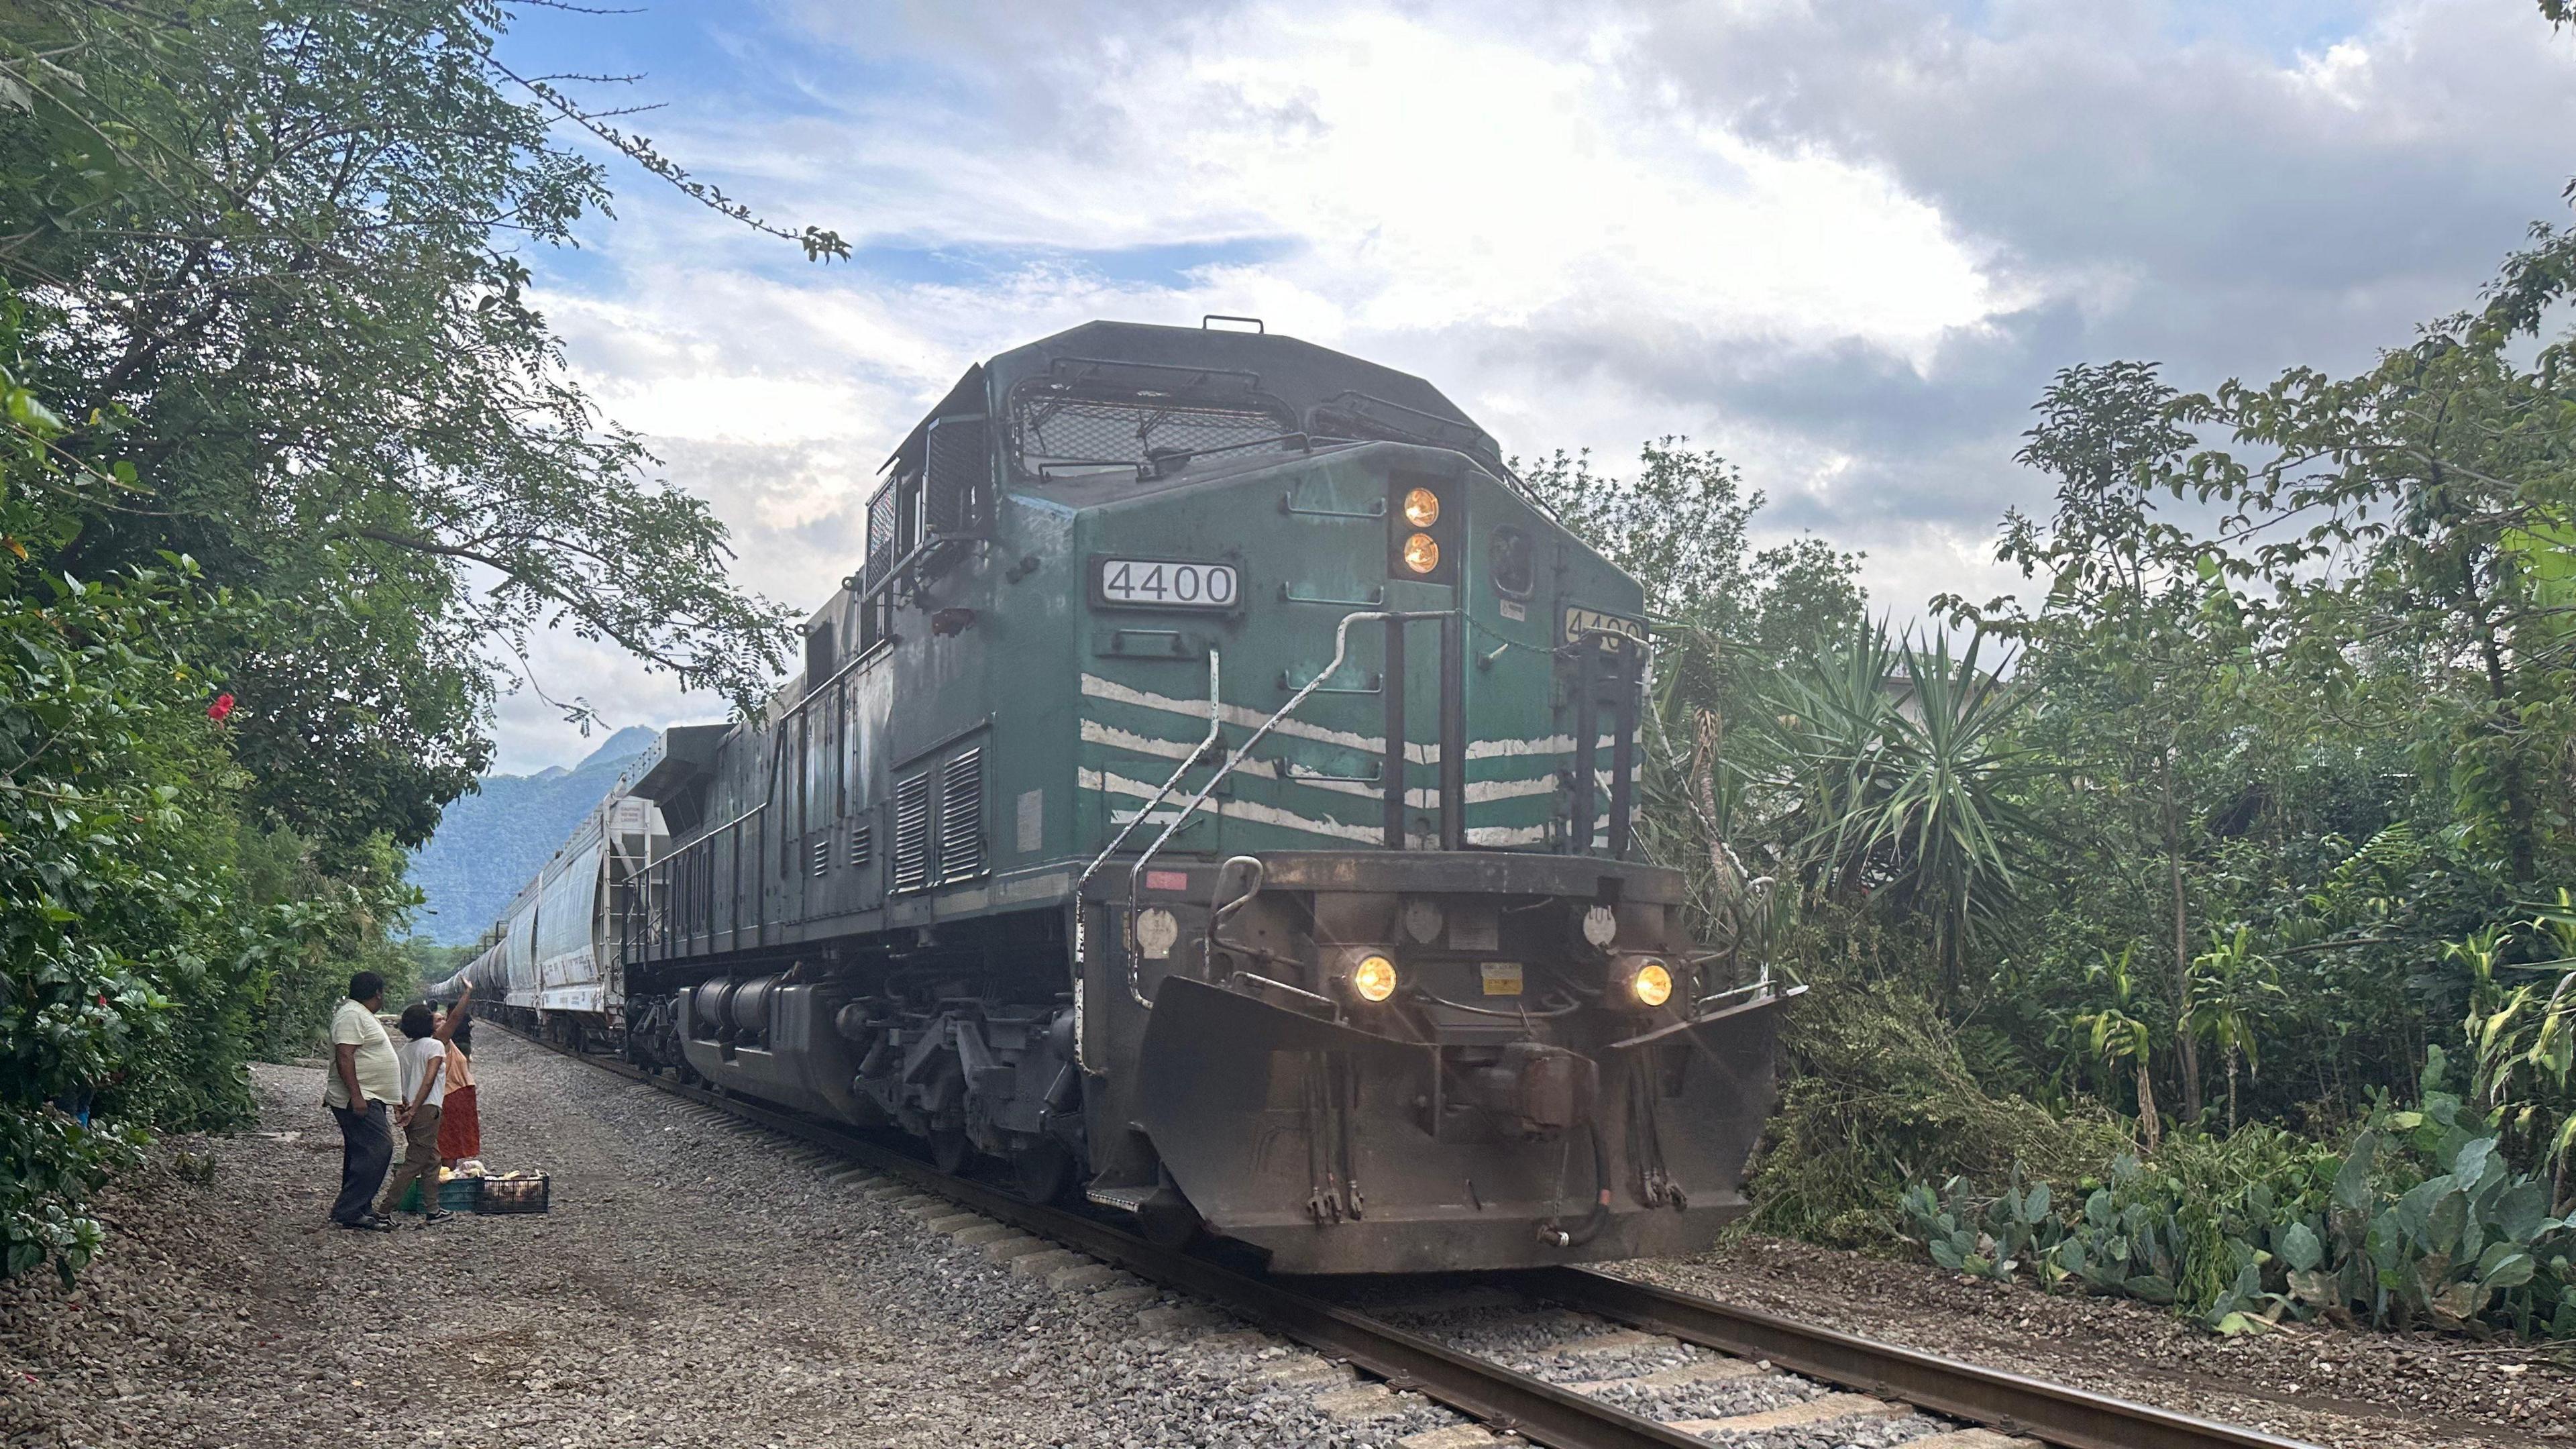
pixel 1214 796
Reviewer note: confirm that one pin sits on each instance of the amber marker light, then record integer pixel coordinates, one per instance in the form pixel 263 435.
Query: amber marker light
pixel 1374 978
pixel 1652 985
pixel 1422 508
pixel 1422 553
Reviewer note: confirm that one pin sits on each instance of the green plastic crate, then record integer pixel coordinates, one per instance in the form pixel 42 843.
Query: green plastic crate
pixel 456 1195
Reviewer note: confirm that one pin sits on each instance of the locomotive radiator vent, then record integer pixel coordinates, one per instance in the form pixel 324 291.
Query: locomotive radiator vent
pixel 863 845
pixel 912 833
pixel 961 816
pixel 822 856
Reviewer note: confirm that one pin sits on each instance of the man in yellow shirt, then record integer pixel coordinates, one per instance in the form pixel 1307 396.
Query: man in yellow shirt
pixel 365 1080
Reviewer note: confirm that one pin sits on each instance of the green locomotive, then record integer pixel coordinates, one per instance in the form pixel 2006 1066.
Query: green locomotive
pixel 1213 796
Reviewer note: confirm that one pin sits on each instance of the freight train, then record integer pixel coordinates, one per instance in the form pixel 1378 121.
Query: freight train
pixel 1213 795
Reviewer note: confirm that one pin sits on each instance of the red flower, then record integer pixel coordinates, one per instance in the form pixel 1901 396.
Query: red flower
pixel 222 706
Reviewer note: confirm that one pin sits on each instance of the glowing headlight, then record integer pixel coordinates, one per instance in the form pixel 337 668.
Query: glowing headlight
pixel 1422 508
pixel 1422 553
pixel 1373 979
pixel 1652 985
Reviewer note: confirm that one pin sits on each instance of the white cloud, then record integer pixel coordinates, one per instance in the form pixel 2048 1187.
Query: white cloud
pixel 1842 242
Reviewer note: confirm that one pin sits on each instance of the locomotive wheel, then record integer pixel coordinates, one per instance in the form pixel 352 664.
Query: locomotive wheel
pixel 949 1151
pixel 1042 1170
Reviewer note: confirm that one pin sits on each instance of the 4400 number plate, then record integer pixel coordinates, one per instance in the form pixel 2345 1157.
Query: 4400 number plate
pixel 1162 583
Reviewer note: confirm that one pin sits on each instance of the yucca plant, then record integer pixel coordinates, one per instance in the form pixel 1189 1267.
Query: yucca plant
pixel 1888 770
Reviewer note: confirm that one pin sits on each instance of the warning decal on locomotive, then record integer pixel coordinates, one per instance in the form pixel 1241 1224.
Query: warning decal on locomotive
pixel 1156 583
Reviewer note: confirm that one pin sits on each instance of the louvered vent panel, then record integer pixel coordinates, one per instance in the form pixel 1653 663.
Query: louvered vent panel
pixel 961 817
pixel 863 844
pixel 822 855
pixel 912 833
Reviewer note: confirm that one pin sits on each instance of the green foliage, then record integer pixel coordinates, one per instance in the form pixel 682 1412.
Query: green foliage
pixel 1887 771
pixel 2269 809
pixel 1877 1095
pixel 2420 1222
pixel 98 875
pixel 287 459
pixel 273 264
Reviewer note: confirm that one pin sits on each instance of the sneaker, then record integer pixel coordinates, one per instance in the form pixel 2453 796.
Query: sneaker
pixel 435 1215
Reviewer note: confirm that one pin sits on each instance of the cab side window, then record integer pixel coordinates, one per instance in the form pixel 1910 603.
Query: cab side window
pixel 1510 562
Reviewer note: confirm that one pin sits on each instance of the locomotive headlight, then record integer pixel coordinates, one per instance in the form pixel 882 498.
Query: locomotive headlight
pixel 1422 508
pixel 1422 553
pixel 1652 985
pixel 1373 979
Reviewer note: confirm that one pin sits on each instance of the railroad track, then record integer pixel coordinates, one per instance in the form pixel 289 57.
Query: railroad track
pixel 1486 1346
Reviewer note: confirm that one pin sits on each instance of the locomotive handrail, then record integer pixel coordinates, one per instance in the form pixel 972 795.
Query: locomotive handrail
pixel 1341 649
pixel 1081 931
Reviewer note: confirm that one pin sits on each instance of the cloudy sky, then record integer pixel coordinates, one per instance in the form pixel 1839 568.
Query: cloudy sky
pixel 1845 241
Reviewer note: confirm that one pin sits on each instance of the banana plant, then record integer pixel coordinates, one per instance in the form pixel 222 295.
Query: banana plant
pixel 2120 1037
pixel 2233 987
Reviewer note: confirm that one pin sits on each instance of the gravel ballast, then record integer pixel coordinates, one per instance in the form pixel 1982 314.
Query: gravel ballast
pixel 696 1283
pixel 700 1282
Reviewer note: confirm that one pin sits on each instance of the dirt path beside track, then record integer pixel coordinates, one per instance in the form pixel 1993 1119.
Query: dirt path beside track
pixel 694 1285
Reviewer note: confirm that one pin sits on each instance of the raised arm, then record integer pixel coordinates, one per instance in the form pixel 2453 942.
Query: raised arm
pixel 456 1014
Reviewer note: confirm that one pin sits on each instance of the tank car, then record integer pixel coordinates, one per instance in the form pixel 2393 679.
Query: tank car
pixel 1213 795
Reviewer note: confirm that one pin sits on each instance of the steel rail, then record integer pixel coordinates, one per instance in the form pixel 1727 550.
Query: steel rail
pixel 1505 1399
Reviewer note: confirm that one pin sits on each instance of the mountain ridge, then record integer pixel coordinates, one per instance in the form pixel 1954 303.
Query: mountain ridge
pixel 494 841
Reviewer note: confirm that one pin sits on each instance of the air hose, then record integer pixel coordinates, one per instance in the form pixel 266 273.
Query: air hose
pixel 1553 1233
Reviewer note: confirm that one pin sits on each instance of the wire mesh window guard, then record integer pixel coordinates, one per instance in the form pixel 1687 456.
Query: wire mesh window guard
pixel 1057 430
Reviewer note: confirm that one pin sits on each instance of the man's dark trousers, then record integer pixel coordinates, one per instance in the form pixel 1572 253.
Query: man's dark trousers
pixel 366 1150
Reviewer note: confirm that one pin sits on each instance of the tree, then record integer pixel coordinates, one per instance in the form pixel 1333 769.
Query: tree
pixel 1888 771
pixel 2233 986
pixel 288 467
pixel 273 263
pixel 2121 644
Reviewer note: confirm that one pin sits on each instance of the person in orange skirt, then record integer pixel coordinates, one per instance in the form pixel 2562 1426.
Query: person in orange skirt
pixel 460 1130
